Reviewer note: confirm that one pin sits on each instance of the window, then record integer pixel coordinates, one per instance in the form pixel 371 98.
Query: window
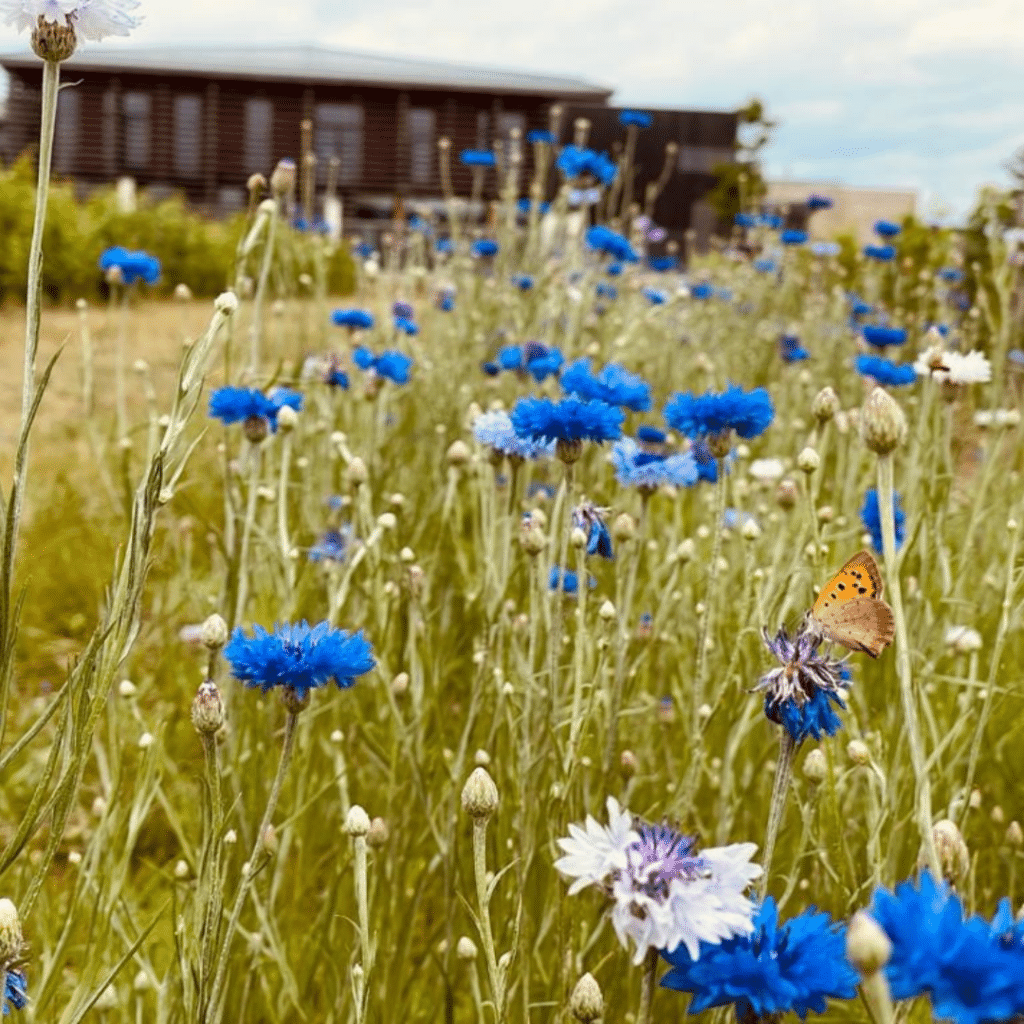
pixel 188 135
pixel 338 132
pixel 65 140
pixel 422 142
pixel 135 112
pixel 259 135
pixel 702 159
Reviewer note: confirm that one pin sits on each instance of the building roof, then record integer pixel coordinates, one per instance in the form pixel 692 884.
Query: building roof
pixel 316 64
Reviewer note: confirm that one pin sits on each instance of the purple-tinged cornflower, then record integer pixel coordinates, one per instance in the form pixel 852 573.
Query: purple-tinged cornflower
pixel 611 242
pixel 446 300
pixel 887 229
pixel 613 384
pixel 133 266
pixel 569 423
pixel 800 693
pixel 635 117
pixel 880 253
pixel 298 657
pixel 392 365
pixel 336 377
pixel 495 430
pixel 665 895
pixel 476 158
pixel 484 247
pixel 870 517
pixel 648 470
pixel 791 350
pixel 332 546
pixel 883 337
pixel 790 967
pixel 403 310
pixel 590 520
pixel 971 969
pixel 353 319
pixel 444 246
pixel 607 291
pixel 886 372
pixel 715 416
pixel 14 991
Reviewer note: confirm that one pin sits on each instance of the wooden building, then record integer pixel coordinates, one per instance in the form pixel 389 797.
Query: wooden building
pixel 201 120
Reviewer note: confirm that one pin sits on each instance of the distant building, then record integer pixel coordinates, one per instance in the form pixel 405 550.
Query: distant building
pixel 201 120
pixel 854 210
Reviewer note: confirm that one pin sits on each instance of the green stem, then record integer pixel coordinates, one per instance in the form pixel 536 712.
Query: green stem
pixel 247 526
pixel 256 329
pixel 480 874
pixel 777 809
pixel 923 793
pixel 643 1015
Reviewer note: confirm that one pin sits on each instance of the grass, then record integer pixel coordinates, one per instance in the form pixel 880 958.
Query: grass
pixel 478 665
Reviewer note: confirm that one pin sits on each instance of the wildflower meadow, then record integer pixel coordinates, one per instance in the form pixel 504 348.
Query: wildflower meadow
pixel 562 626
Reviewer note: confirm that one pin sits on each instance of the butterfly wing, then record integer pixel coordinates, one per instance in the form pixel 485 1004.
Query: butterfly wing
pixel 864 624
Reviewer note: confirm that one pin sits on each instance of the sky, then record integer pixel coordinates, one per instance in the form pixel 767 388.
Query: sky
pixel 922 94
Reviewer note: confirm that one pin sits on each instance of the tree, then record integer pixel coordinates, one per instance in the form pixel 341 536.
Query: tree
pixel 740 184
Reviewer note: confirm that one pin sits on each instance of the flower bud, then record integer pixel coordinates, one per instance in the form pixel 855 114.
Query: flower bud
pixel 586 1003
pixel 458 454
pixel 207 709
pixel 10 933
pixel 577 538
pixel 480 795
pixel 882 423
pixel 686 550
pixel 531 535
pixel 867 947
pixel 607 611
pixel 400 684
pixel 182 292
pixel 357 473
pixel 282 181
pixel 378 835
pixel 126 688
pixel 54 40
pixel 465 948
pixel 357 821
pixel 954 857
pixel 1015 835
pixel 815 766
pixel 287 417
pixel 750 529
pixel 214 632
pixel 857 751
pixel 627 764
pixel 226 302
pixel 624 527
pixel 825 405
pixel 808 461
pixel 786 493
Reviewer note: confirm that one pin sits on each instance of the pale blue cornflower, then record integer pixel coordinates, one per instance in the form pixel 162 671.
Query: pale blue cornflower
pixel 647 470
pixel 495 430
pixel 90 19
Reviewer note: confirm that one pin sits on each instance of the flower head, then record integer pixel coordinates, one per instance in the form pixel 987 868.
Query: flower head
pixel 566 581
pixel 574 162
pixel 590 520
pixel 886 372
pixel 816 202
pixel 647 470
pixel 972 969
pixel 540 135
pixel 134 266
pixel 332 546
pixel 635 117
pixel 89 19
pixel 791 350
pixel 887 229
pixel 484 247
pixel 533 358
pixel 665 894
pixel 880 253
pixel 795 966
pixel 800 693
pixel 390 364
pixel 298 657
pixel 793 237
pixel 495 430
pixel 406 326
pixel 567 420
pixel 883 337
pixel 749 413
pixel 613 384
pixel 612 243
pixel 353 319
pixel 238 405
pixel 14 990
pixel 476 158
pixel 870 517
pixel 954 367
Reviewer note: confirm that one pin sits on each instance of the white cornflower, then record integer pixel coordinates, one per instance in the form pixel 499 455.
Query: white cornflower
pixel 767 470
pixel 665 894
pixel 91 19
pixel 953 367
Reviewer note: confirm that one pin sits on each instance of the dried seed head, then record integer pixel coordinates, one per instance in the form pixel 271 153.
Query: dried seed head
pixel 857 751
pixel 786 493
pixel 867 947
pixel 207 709
pixel 627 764
pixel 480 795
pixel 54 40
pixel 883 425
pixel 226 302
pixel 357 821
pixel 586 1003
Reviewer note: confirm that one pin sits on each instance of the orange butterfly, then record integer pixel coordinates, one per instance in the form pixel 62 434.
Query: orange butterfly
pixel 850 610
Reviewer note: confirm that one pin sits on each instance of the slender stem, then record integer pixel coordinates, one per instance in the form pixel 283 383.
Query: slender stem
pixel 120 394
pixel 282 512
pixel 250 519
pixel 209 895
pixel 362 907
pixel 777 809
pixel 643 1015
pixel 923 793
pixel 480 874
pixel 214 1011
pixel 875 990
pixel 256 329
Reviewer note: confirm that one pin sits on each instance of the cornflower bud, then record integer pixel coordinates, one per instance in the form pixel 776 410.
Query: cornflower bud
pixel 214 632
pixel 207 709
pixel 867 947
pixel 882 423
pixel 808 461
pixel 465 948
pixel 624 527
pixel 480 795
pixel 954 857
pixel 815 766
pixel 825 405
pixel 586 1003
pixel 11 941
pixel 357 821
pixel 378 835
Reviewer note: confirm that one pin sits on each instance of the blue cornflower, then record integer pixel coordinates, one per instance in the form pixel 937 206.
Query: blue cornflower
pixel 799 694
pixel 615 245
pixel 568 582
pixel 765 266
pixel 569 421
pixel 444 246
pixel 336 377
pixel 795 966
pixel 522 281
pixel 613 384
pixel 638 117
pixel 745 220
pixel 364 250
pixel 299 657
pixel 574 161
pixel 446 301
pixel 663 263
pixel 655 297
pixel 793 237
pixel 495 430
pixel 816 202
pixel 884 371
pixel 703 291
pixel 134 266
pixel 14 992
pixel 614 269
pixel 393 365
pixel 280 397
pixel 476 158
pixel 858 307
pixel 353 319
pixel 749 413
pixel 646 470
pixel 607 291
pixel 972 970
pixel 647 434
pixel 524 206
pixel 332 546
pixel 880 253
pixel 403 310
pixel 538 360
pixel 405 326
pixel 244 405
pixel 590 520
pixel 540 135
pixel 735 519
pixel 887 229
pixel 951 275
pixel 484 247
pixel 707 464
pixel 872 521
pixel 791 350
pixel 770 220
pixel 882 337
